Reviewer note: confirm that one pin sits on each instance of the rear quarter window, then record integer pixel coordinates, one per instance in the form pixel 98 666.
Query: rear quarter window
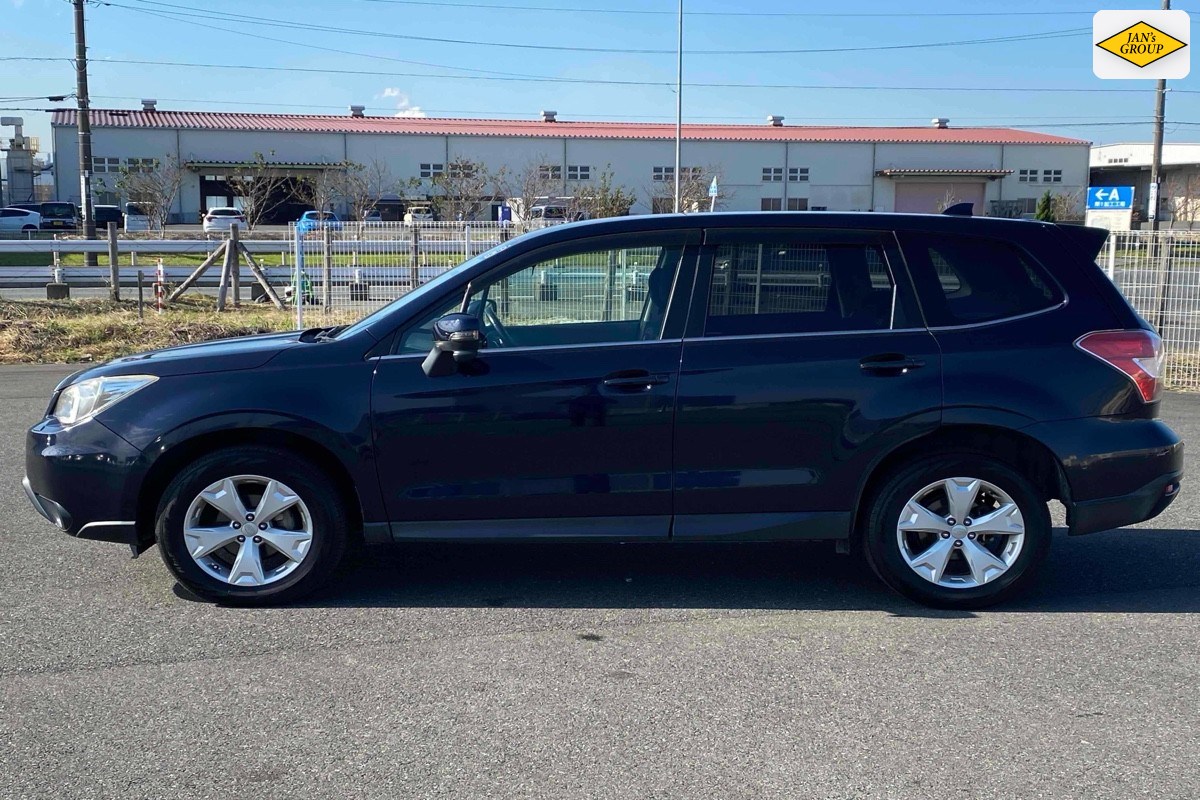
pixel 965 280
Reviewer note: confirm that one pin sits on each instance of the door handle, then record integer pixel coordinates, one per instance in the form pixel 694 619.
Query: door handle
pixel 890 363
pixel 634 380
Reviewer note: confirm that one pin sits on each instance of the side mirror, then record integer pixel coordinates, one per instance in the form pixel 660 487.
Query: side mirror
pixel 457 339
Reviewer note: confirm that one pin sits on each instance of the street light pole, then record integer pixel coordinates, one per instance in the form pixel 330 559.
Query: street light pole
pixel 1160 101
pixel 85 129
pixel 679 110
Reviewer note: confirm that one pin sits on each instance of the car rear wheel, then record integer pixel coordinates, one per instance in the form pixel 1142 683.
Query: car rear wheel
pixel 957 531
pixel 29 228
pixel 251 526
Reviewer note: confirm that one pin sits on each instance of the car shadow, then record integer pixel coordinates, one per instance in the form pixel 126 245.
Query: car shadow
pixel 1130 571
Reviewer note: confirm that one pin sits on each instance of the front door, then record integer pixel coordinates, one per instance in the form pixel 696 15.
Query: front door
pixel 804 359
pixel 562 427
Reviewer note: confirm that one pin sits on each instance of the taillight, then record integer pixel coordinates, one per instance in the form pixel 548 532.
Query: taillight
pixel 1137 353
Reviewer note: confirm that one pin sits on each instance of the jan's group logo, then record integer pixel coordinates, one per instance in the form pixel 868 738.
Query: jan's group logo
pixel 1141 44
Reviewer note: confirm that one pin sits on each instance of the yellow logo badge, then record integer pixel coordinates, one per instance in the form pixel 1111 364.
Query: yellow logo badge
pixel 1141 44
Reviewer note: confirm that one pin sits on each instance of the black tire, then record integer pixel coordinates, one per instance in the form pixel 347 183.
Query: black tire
pixel 29 228
pixel 330 525
pixel 883 551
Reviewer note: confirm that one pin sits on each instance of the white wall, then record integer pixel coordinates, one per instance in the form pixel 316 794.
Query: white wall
pixel 841 175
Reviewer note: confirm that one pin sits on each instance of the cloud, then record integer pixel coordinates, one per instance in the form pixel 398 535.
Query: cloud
pixel 404 107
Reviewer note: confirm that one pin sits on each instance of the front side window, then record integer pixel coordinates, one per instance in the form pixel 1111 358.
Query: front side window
pixel 808 285
pixel 599 296
pixel 964 280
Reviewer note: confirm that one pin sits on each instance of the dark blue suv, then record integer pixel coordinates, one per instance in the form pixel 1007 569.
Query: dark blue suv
pixel 916 388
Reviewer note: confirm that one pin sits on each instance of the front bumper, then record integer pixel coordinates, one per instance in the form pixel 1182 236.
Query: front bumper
pixel 84 480
pixel 1118 471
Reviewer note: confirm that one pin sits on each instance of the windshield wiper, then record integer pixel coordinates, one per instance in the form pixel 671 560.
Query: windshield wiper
pixel 321 334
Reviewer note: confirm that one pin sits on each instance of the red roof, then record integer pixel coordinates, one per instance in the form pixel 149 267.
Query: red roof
pixel 211 120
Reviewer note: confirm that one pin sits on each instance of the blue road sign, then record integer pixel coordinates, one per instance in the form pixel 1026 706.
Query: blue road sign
pixel 713 191
pixel 1110 198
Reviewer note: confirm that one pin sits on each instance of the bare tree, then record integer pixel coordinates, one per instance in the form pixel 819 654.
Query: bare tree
pixel 322 189
pixel 1183 197
pixel 948 199
pixel 693 190
pixel 603 198
pixel 153 184
pixel 534 181
pixel 260 185
pixel 361 185
pixel 466 187
pixel 1068 205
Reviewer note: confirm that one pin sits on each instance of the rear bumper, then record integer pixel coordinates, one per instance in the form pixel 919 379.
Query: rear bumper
pixel 1145 503
pixel 1118 471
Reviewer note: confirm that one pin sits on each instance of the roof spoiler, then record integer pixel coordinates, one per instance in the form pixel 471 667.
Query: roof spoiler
pixel 1088 241
pixel 959 210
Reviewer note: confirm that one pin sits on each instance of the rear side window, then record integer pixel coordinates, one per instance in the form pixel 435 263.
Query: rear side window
pixel 801 286
pixel 964 280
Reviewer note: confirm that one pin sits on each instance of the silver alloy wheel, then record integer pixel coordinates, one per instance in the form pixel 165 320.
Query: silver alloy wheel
pixel 248 530
pixel 960 533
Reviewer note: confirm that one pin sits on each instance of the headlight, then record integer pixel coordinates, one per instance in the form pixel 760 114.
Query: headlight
pixel 82 400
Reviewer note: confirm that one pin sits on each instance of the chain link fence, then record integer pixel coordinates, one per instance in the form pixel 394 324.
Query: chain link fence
pixel 1159 273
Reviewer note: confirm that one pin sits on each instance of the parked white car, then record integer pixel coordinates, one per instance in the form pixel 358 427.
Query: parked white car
pixel 136 219
pixel 418 214
pixel 220 220
pixel 19 220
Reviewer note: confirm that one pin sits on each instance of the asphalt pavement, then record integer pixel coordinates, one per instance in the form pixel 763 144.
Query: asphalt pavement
pixel 595 671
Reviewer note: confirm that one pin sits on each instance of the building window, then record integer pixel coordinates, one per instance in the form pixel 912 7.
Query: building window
pixel 797 204
pixel 668 173
pixel 772 204
pixel 772 175
pixel 101 164
pixel 798 174
pixel 579 173
pixel 134 164
pixel 1027 176
pixel 460 170
pixel 432 170
pixel 819 208
pixel 1052 176
pixel 1027 205
pixel 550 172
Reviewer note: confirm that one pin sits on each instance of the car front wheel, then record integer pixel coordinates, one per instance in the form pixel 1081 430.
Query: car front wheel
pixel 252 526
pixel 957 531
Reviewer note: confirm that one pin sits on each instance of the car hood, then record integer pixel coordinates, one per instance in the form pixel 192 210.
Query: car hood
pixel 222 355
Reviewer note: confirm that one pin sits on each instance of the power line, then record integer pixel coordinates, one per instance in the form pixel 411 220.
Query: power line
pixel 798 14
pixel 616 82
pixel 186 12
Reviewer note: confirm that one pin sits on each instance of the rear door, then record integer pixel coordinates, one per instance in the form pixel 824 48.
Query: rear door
pixel 805 358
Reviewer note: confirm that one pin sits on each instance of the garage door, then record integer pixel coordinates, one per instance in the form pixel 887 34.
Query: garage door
pixel 928 198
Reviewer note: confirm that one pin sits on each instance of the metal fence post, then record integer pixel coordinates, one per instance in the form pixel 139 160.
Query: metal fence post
pixel 467 242
pixel 414 271
pixel 298 282
pixel 326 267
pixel 114 267
pixel 1110 264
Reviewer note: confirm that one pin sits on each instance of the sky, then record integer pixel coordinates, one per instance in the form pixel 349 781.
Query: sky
pixel 329 54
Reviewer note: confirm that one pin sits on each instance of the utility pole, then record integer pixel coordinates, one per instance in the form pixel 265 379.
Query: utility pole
pixel 85 130
pixel 1160 102
pixel 679 110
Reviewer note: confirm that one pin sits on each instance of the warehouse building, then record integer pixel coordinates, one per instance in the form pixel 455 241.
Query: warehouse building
pixel 771 166
pixel 1128 164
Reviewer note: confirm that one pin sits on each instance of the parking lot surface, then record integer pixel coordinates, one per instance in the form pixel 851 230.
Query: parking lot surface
pixel 556 671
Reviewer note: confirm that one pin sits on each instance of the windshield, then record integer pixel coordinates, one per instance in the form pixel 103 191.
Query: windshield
pixel 58 210
pixel 438 284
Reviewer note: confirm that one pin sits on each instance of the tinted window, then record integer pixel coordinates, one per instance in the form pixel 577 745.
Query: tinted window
pixel 964 279
pixel 591 297
pixel 58 210
pixel 782 286
pixel 224 212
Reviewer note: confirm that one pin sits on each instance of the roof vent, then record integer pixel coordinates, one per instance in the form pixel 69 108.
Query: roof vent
pixel 149 105
pixel 775 121
pixel 357 111
pixel 549 116
pixel 940 122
